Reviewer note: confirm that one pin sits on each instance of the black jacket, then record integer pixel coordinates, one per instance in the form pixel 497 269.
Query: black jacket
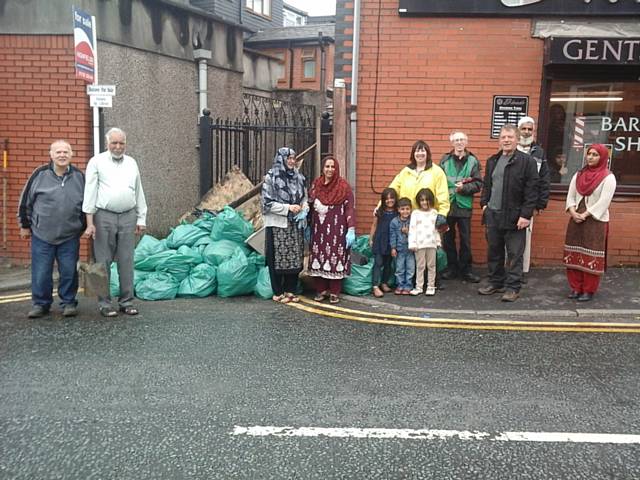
pixel 537 152
pixel 520 188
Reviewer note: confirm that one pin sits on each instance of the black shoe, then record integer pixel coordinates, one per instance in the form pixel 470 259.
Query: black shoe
pixel 38 311
pixel 524 280
pixel 490 290
pixel 471 278
pixel 573 295
pixel 69 311
pixel 585 297
pixel 448 275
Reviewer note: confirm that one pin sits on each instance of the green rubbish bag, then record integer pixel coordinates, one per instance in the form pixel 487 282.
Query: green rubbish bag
pixel 180 263
pixel 138 276
pixel 147 246
pixel 441 260
pixel 361 245
pixel 158 286
pixel 114 280
pixel 218 251
pixel 150 263
pixel 237 275
pixel 201 282
pixel 205 222
pixel 184 235
pixel 263 284
pixel 230 225
pixel 359 282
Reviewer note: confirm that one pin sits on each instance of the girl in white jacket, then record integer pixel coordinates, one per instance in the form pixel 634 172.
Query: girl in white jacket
pixel 424 240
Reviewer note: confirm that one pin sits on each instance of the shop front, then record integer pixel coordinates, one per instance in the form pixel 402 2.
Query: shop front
pixel 427 68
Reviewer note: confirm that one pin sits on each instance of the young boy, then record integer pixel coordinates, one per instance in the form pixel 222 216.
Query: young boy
pixel 399 242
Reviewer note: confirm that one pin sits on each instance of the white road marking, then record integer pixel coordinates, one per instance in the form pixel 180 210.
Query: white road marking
pixel 428 434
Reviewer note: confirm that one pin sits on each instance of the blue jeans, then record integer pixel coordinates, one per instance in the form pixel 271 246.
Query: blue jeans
pixel 42 256
pixel 405 270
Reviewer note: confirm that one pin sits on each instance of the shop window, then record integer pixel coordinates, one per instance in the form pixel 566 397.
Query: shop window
pixel 582 112
pixel 309 63
pixel 261 7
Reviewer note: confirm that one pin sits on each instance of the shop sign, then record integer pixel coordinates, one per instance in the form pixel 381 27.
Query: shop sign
pixel 517 8
pixel 507 109
pixel 624 131
pixel 607 51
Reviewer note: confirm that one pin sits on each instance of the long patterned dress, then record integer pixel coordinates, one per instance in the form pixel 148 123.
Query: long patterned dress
pixel 329 258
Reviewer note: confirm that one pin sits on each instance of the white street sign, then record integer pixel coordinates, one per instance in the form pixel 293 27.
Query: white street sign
pixel 101 101
pixel 101 90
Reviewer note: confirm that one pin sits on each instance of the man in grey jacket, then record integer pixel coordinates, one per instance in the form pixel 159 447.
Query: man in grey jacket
pixel 50 212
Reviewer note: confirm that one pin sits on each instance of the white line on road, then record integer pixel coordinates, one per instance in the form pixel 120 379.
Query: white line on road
pixel 424 434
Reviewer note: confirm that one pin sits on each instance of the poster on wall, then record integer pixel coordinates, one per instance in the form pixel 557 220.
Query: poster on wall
pixel 84 45
pixel 507 109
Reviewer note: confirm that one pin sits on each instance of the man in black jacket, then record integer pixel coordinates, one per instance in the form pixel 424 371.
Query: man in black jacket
pixel 527 144
pixel 50 213
pixel 509 197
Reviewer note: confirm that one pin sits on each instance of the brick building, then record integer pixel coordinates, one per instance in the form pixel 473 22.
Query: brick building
pixel 426 68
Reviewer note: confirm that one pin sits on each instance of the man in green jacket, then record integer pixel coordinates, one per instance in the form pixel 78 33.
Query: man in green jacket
pixel 463 180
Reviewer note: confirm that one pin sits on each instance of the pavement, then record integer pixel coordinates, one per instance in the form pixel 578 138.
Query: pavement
pixel 544 295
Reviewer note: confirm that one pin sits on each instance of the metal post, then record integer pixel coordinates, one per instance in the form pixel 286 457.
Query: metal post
pixel 206 163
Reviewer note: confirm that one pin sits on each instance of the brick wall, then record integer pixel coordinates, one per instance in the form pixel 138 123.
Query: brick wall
pixel 299 82
pixel 40 101
pixel 430 76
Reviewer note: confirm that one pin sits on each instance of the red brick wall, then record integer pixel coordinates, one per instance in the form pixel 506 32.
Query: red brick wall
pixel 40 101
pixel 299 82
pixel 436 75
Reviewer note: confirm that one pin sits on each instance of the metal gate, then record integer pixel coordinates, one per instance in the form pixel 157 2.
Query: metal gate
pixel 251 142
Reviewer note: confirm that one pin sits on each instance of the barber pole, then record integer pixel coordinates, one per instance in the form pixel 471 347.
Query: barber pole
pixel 578 133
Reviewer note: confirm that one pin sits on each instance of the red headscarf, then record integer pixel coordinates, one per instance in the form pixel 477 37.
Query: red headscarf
pixel 333 193
pixel 590 177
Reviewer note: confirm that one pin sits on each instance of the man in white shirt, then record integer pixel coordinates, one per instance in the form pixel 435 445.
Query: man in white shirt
pixel 116 212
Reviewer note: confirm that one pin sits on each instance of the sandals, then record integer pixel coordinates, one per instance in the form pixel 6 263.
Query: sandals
pixel 281 298
pixel 377 292
pixel 334 298
pixel 320 297
pixel 292 297
pixel 129 310
pixel 108 312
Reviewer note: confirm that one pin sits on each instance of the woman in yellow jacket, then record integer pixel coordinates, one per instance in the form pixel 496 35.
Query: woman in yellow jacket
pixel 423 173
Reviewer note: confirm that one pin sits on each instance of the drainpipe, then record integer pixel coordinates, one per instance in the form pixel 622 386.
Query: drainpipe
pixel 202 56
pixel 351 171
pixel 290 66
pixel 323 67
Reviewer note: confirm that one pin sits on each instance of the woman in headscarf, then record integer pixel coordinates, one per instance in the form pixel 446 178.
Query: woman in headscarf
pixel 332 231
pixel 284 209
pixel 590 193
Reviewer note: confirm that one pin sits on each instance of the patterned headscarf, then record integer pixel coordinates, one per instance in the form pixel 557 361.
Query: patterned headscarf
pixel 282 184
pixel 590 177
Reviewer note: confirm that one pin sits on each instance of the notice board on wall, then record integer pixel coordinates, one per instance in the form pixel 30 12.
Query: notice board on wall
pixel 507 109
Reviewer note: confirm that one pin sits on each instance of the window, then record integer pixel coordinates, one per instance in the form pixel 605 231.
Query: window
pixel 282 76
pixel 261 7
pixel 309 63
pixel 586 111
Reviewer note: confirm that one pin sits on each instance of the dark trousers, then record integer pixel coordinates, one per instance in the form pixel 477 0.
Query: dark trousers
pixel 458 261
pixel 66 256
pixel 505 274
pixel 331 285
pixel 381 269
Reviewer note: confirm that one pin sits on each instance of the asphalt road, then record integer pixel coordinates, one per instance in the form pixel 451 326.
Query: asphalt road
pixel 158 396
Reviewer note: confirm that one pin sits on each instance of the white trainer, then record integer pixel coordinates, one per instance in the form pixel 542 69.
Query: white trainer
pixel 430 291
pixel 415 291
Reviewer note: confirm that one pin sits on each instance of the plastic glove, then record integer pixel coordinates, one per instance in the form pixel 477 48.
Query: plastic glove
pixel 351 236
pixel 302 214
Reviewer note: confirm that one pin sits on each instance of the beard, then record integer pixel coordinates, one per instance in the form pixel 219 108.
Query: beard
pixel 117 157
pixel 525 141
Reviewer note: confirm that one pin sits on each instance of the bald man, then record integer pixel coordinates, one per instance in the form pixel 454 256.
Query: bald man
pixel 50 213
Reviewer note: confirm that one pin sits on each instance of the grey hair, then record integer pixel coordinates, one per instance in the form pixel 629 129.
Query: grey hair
pixel 511 127
pixel 115 130
pixel 60 141
pixel 453 134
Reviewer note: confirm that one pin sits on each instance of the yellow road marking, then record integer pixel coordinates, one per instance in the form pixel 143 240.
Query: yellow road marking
pixel 408 321
pixel 470 321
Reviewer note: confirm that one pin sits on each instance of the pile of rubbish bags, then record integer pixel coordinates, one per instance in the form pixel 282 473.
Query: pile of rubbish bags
pixel 210 257
pixel 206 257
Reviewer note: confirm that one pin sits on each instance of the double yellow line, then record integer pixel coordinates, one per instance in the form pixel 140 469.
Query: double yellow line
pixel 334 311
pixel 18 297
